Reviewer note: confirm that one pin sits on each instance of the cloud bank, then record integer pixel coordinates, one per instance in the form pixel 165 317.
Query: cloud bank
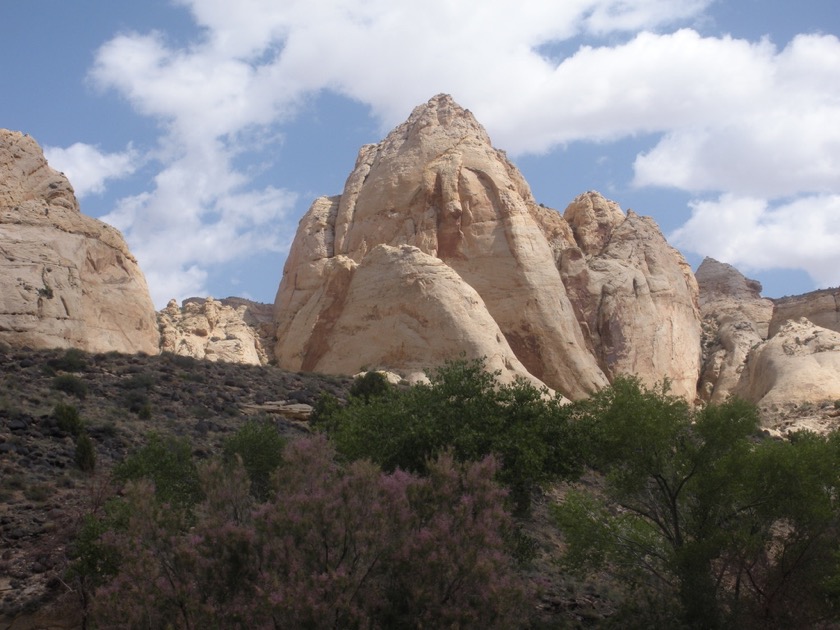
pixel 748 127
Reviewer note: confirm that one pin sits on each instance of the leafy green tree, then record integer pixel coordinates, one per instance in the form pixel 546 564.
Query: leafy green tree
pixel 697 508
pixel 168 464
pixel 463 408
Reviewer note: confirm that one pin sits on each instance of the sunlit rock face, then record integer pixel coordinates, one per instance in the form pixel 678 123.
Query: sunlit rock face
pixel 735 320
pixel 232 330
pixel 483 270
pixel 634 295
pixel 799 364
pixel 66 280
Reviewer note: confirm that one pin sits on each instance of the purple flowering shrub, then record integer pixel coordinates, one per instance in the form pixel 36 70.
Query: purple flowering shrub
pixel 334 546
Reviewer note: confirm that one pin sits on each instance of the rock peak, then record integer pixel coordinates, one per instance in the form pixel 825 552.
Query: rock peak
pixel 439 116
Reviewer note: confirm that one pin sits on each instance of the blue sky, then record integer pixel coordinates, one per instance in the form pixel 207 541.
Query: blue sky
pixel 203 129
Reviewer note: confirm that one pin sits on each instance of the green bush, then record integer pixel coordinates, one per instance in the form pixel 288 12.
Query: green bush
pixel 73 360
pixel 168 463
pixel 85 455
pixel 72 385
pixel 260 447
pixel 464 409
pixel 68 419
pixel 370 385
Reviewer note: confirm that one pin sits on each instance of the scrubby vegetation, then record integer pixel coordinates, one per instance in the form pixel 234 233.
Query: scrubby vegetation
pixel 329 546
pixel 458 503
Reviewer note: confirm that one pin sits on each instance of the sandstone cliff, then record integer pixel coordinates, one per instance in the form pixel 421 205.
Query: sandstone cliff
pixel 232 330
pixel 437 185
pixel 821 307
pixel 66 280
pixel 799 364
pixel 634 295
pixel 735 319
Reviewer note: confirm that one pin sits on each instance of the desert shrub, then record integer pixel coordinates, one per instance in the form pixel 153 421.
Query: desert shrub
pixel 73 360
pixel 167 462
pixel 38 492
pixel 70 384
pixel 141 381
pixel 67 418
pixel 260 448
pixel 85 455
pixel 338 546
pixel 369 385
pixel 464 409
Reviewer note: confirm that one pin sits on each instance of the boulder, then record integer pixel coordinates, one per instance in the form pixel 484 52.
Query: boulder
pixel 66 280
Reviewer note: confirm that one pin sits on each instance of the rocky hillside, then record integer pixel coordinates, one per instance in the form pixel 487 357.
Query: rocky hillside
pixel 120 399
pixel 66 280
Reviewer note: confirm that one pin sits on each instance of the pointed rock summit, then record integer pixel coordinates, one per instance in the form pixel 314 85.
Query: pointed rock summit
pixel 66 280
pixel 436 247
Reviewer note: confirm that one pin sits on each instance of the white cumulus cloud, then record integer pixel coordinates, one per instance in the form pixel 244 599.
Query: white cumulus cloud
pixel 88 168
pixel 754 234
pixel 742 119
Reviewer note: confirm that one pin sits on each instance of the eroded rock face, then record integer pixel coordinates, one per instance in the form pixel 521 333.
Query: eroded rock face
pixel 799 364
pixel 735 319
pixel 233 330
pixel 436 184
pixel 820 307
pixel 634 295
pixel 66 280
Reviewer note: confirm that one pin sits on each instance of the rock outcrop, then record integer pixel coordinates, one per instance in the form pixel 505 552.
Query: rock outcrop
pixel 492 270
pixel 735 319
pixel 66 280
pixel 233 330
pixel 634 295
pixel 799 364
pixel 820 307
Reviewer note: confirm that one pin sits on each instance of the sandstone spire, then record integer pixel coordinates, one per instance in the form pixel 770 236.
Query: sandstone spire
pixel 575 300
pixel 66 280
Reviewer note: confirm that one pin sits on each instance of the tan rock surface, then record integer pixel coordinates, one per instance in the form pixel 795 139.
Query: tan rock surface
pixel 233 330
pixel 735 319
pixel 399 308
pixel 820 307
pixel 66 280
pixel 437 184
pixel 799 364
pixel 634 295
